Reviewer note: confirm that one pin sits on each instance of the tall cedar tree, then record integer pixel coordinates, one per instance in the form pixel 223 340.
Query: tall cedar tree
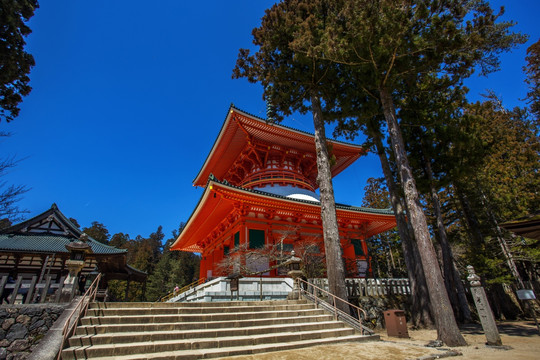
pixel 369 122
pixel 433 118
pixel 388 41
pixel 291 81
pixel 502 186
pixel 533 79
pixel 15 62
pixel 421 307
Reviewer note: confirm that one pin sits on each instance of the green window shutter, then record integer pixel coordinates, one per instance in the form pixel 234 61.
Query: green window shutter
pixel 358 250
pixel 237 239
pixel 256 239
pixel 286 247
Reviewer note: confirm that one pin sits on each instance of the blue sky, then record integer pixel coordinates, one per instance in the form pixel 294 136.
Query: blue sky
pixel 128 97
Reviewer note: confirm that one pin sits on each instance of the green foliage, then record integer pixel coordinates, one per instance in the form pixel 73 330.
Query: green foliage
pixel 98 232
pixel 290 78
pixel 119 240
pixel 385 248
pixel 174 268
pixel 117 291
pixel 533 78
pixel 15 62
pixel 165 268
pixel 508 172
pixel 501 185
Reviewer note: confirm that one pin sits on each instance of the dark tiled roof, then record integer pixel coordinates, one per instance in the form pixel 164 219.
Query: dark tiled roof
pixel 49 243
pixel 73 231
pixel 42 240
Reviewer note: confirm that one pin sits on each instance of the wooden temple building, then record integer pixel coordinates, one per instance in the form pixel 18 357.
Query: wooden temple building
pixel 37 247
pixel 260 187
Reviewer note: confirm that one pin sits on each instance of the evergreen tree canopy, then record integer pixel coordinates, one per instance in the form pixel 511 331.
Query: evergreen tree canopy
pixel 533 78
pixel 299 82
pixel 15 62
pixel 98 232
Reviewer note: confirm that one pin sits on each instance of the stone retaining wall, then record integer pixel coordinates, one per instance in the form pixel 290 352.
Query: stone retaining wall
pixel 23 326
pixel 376 306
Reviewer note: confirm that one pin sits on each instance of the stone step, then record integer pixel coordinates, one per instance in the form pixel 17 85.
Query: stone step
pixel 144 319
pixel 117 305
pixel 172 326
pixel 140 335
pixel 208 345
pixel 194 310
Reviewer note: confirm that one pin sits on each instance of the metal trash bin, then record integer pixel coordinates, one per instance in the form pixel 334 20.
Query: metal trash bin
pixel 396 323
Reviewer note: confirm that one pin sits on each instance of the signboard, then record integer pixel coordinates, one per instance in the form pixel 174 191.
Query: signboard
pixel 362 266
pixel 525 294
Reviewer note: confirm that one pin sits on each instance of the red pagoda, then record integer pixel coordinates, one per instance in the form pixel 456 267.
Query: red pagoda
pixel 259 182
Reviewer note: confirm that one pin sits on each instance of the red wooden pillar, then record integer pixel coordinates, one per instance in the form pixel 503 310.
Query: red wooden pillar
pixel 243 234
pixel 202 269
pixel 218 258
pixel 212 264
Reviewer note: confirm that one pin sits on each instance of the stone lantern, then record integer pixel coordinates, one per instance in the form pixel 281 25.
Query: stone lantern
pixel 294 272
pixel 78 250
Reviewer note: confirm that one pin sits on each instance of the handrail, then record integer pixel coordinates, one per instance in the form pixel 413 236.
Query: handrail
pixel 361 313
pixel 182 290
pixel 78 312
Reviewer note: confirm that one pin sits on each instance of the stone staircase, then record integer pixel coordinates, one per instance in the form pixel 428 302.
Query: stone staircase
pixel 203 330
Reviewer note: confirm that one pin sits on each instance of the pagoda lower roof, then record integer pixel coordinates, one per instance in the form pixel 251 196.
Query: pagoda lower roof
pixel 220 199
pixel 240 128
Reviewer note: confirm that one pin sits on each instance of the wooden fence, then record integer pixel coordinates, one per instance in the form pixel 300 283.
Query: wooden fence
pixel 370 287
pixel 31 292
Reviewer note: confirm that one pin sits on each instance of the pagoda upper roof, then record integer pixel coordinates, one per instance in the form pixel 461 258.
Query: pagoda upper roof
pixel 48 232
pixel 240 128
pixel 211 210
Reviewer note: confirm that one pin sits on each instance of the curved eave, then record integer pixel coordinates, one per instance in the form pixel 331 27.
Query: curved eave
pixel 212 209
pixel 232 139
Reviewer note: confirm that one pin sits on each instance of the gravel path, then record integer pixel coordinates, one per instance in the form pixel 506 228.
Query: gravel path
pixel 521 340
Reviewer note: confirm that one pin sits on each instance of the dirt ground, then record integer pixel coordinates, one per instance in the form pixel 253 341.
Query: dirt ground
pixel 522 338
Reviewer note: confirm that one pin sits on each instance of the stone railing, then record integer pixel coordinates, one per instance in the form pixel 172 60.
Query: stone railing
pixel 370 287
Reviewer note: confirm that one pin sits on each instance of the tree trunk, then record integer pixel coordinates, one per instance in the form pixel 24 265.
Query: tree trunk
pixel 420 307
pixel 471 221
pixel 462 295
pixel 502 242
pixel 334 255
pixel 453 283
pixel 447 329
